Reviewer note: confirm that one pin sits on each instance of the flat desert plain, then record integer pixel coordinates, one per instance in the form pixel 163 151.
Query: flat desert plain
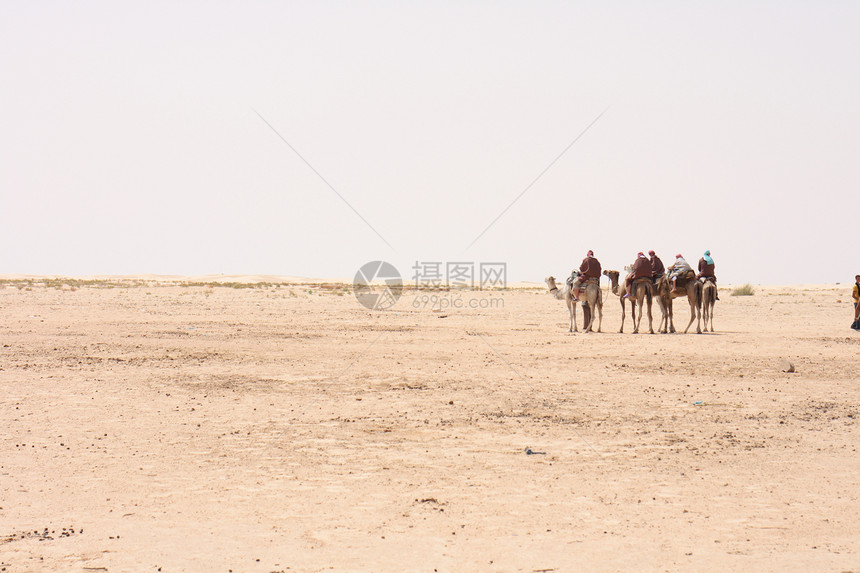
pixel 154 426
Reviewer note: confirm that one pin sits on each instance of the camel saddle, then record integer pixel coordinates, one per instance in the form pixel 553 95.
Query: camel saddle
pixel 681 282
pixel 586 282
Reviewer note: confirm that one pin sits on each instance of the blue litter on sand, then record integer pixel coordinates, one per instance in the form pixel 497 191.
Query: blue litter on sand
pixel 699 403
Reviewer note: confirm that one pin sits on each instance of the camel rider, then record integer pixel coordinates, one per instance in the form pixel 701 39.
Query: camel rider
pixel 641 269
pixel 657 268
pixel 855 294
pixel 706 269
pixel 679 268
pixel 589 269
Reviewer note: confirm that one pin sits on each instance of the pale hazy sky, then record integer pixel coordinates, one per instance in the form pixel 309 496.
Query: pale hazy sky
pixel 130 141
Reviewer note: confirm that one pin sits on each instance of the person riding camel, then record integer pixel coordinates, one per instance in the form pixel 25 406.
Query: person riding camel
pixel 706 269
pixel 657 268
pixel 589 269
pixel 679 268
pixel 855 294
pixel 641 269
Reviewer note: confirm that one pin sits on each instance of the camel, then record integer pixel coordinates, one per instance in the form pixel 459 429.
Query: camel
pixel 707 299
pixel 593 299
pixel 665 297
pixel 620 289
pixel 642 291
pixel 565 295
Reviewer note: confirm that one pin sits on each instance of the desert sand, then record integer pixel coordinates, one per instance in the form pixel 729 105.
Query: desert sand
pixel 150 426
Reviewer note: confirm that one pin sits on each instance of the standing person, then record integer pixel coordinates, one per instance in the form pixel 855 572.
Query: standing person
pixel 657 268
pixel 676 269
pixel 641 269
pixel 706 269
pixel 589 269
pixel 855 294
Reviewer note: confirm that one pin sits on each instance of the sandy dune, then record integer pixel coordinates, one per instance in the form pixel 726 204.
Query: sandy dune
pixel 209 428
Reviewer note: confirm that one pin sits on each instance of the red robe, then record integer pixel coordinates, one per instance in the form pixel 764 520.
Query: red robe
pixel 641 268
pixel 590 268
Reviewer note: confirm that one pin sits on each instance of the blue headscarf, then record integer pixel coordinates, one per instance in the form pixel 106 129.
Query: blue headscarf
pixel 708 258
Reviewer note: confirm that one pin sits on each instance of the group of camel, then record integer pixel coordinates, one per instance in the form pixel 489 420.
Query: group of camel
pixel 701 296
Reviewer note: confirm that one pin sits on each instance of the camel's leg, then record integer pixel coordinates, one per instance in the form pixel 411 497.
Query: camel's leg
pixel 698 310
pixel 599 315
pixel 697 300
pixel 698 320
pixel 650 318
pixel 623 313
pixel 671 315
pixel 571 307
pixel 590 316
pixel 633 316
pixel 632 312
pixel 694 298
pixel 712 296
pixel 664 317
pixel 637 304
pixel 693 315
pixel 664 308
pixel 591 295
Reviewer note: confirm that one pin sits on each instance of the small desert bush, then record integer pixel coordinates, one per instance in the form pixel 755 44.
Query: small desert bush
pixel 745 290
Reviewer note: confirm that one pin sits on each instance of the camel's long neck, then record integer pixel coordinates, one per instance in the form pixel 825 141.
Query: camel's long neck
pixel 614 279
pixel 558 293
